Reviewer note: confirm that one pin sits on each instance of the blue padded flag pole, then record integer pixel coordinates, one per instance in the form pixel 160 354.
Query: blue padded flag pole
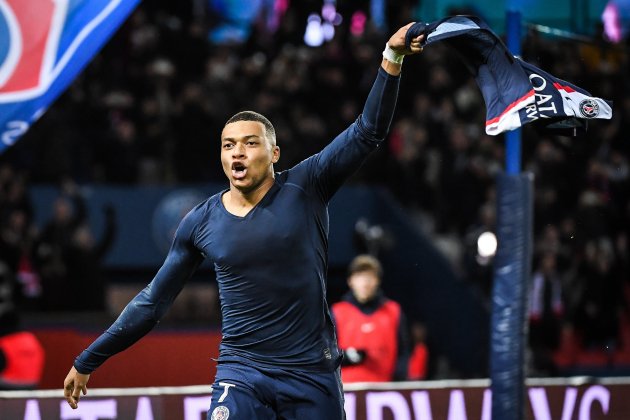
pixel 508 336
pixel 511 266
pixel 513 138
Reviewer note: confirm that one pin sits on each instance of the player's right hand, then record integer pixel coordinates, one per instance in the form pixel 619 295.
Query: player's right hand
pixel 397 41
pixel 75 384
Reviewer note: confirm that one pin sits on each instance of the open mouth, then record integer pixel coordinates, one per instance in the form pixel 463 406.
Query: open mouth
pixel 238 170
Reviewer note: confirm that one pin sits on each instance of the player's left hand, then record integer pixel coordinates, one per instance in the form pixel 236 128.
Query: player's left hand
pixel 397 41
pixel 75 384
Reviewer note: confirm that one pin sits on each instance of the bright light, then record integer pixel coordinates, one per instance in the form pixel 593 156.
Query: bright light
pixel 314 37
pixel 328 31
pixel 357 23
pixel 487 245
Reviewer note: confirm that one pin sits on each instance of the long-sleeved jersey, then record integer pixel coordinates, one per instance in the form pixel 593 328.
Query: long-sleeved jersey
pixel 270 264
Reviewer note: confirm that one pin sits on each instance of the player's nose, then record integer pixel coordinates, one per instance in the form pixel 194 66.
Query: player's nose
pixel 238 150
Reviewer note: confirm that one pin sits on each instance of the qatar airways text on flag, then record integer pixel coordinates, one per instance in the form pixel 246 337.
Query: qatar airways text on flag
pixel 44 45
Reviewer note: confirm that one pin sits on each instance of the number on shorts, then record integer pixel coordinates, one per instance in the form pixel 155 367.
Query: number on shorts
pixel 226 389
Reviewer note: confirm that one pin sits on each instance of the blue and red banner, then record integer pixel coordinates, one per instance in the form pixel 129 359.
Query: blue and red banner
pixel 44 45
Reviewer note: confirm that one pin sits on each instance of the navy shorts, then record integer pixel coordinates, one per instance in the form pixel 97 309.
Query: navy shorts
pixel 246 392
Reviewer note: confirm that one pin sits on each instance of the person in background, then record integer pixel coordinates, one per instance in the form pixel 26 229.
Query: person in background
pixel 371 329
pixel 546 309
pixel 84 255
pixel 419 360
pixel 69 256
pixel 21 354
pixel 69 211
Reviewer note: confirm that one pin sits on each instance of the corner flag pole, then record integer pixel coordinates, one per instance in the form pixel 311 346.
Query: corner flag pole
pixel 508 336
pixel 513 138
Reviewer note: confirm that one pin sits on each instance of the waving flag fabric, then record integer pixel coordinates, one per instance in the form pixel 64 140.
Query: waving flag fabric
pixel 44 45
pixel 515 92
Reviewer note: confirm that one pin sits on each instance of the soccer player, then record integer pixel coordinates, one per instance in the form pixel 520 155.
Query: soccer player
pixel 371 329
pixel 267 236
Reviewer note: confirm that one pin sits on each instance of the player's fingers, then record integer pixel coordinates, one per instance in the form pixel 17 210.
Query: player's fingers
pixel 416 44
pixel 76 392
pixel 415 47
pixel 68 392
pixel 67 389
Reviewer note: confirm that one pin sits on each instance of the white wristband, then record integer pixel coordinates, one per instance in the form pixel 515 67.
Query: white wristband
pixel 392 56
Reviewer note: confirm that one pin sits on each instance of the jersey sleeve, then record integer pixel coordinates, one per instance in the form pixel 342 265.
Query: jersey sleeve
pixel 145 310
pixel 345 154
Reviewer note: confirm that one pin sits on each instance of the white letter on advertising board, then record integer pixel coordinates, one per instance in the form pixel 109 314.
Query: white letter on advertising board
pixel 457 406
pixel 32 410
pixel 594 393
pixel 421 405
pixel 376 402
pixel 486 409
pixel 540 405
pixel 194 406
pixel 570 396
pixel 144 410
pixel 90 410
pixel 350 406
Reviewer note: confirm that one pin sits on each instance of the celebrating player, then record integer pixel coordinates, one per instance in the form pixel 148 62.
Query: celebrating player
pixel 267 236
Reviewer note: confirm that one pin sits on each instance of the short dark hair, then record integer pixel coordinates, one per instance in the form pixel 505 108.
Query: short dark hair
pixel 270 132
pixel 363 263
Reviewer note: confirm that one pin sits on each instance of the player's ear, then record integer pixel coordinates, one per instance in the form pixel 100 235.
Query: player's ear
pixel 276 154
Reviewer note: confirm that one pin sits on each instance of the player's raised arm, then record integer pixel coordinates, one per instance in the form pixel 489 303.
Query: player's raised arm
pixel 345 154
pixel 142 313
pixel 395 50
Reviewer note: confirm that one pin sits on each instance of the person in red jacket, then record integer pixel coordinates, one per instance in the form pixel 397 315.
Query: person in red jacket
pixel 371 329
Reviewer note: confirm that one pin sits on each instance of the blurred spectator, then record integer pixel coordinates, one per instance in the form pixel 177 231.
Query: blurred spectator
pixel 21 354
pixel 419 360
pixel 413 167
pixel 17 236
pixel 546 310
pixel 68 213
pixel 602 300
pixel 371 329
pixel 69 258
pixel 83 258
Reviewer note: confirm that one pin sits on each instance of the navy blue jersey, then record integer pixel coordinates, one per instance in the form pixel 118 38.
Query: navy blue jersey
pixel 270 264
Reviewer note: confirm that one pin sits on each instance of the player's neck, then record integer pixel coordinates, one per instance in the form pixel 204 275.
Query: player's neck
pixel 240 202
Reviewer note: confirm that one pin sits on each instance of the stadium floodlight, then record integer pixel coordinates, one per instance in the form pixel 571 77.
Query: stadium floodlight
pixel 486 248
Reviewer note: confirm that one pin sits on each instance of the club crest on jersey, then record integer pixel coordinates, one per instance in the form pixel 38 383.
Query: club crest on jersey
pixel 589 108
pixel 220 413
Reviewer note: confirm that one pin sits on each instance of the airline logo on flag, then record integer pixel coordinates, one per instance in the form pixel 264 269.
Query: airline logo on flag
pixel 44 45
pixel 514 91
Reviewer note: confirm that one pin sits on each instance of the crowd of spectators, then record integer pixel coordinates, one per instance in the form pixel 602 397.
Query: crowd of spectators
pixel 150 107
pixel 57 267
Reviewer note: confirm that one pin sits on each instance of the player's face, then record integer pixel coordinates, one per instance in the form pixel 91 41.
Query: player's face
pixel 247 156
pixel 364 285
